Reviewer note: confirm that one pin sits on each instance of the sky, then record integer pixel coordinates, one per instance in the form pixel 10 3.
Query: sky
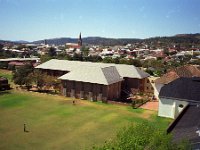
pixel 32 20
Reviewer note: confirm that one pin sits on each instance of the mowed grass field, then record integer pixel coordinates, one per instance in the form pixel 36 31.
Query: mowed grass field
pixel 54 122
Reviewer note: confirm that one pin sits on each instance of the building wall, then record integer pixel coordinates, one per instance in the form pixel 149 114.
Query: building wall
pixel 170 108
pixel 114 91
pixel 56 73
pixel 157 89
pixel 91 91
pixel 133 83
pixel 149 85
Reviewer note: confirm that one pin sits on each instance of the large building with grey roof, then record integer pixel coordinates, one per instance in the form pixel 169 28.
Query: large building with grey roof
pixel 97 81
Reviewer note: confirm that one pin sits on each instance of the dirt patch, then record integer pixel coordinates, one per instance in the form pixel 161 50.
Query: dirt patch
pixel 4 71
pixel 147 114
pixel 150 105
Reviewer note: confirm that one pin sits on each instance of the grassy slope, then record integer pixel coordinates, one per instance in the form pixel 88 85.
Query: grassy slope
pixel 55 123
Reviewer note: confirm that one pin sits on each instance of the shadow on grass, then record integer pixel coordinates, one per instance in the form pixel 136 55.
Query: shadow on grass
pixel 5 92
pixel 52 92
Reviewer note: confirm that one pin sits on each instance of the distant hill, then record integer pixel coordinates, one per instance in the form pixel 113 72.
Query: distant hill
pixel 179 38
pixel 21 42
pixel 13 42
pixel 196 35
pixel 89 40
pixel 6 42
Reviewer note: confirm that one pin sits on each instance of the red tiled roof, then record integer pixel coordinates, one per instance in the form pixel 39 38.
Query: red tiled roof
pixel 15 63
pixel 183 71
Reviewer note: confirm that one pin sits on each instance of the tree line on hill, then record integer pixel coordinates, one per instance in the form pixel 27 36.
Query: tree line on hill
pixel 186 40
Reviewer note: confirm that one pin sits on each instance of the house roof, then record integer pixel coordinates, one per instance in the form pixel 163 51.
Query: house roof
pixel 62 65
pixel 105 76
pixel 187 89
pixel 183 71
pixel 66 65
pixel 19 59
pixel 188 125
pixel 130 71
pixel 16 63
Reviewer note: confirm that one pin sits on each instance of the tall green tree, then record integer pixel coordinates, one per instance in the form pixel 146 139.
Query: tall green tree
pixel 22 75
pixel 52 52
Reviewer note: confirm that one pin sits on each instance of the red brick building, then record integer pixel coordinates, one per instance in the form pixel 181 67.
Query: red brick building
pixel 95 81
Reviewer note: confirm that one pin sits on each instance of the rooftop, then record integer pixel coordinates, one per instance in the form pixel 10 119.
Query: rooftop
pixel 188 125
pixel 66 65
pixel 105 76
pixel 187 89
pixel 19 59
pixel 183 71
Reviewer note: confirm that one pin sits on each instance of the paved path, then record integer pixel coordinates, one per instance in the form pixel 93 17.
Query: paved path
pixel 152 105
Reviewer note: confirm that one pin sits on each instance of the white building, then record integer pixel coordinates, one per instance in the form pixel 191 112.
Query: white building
pixel 176 95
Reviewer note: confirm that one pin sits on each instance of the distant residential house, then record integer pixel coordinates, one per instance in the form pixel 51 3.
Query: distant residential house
pixel 183 71
pixel 180 100
pixel 72 45
pixel 4 85
pixel 89 78
pixel 77 45
pixel 17 62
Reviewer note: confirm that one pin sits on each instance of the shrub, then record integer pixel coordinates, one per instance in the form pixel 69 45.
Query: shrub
pixel 142 136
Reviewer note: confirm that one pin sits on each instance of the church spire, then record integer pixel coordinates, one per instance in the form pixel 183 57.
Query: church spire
pixel 80 40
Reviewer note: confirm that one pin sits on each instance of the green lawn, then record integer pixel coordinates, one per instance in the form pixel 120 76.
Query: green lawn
pixel 55 123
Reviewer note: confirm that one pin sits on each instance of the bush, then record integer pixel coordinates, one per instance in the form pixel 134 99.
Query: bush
pixel 142 136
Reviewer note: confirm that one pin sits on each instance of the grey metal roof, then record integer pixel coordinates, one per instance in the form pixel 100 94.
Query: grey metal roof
pixel 188 125
pixel 62 65
pixel 130 71
pixel 105 76
pixel 66 65
pixel 187 89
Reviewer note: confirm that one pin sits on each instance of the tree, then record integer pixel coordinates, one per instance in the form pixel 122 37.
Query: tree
pixel 38 78
pixel 107 60
pixel 1 46
pixel 166 51
pixel 85 51
pixel 45 58
pixel 22 75
pixel 43 79
pixel 142 136
pixel 135 62
pixel 93 58
pixel 52 52
pixel 123 61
